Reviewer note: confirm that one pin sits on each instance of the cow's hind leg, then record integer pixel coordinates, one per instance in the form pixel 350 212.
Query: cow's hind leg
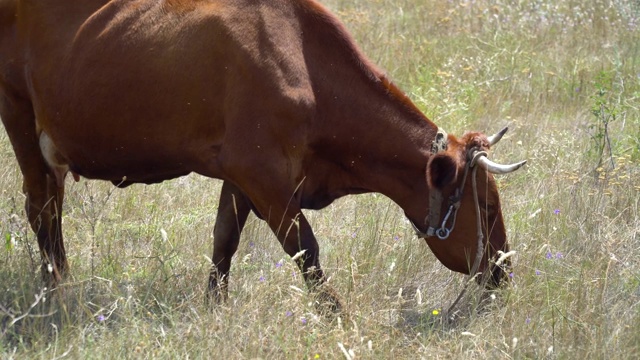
pixel 233 210
pixel 43 195
pixel 44 210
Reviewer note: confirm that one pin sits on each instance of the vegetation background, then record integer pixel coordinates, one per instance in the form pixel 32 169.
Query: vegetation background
pixel 563 74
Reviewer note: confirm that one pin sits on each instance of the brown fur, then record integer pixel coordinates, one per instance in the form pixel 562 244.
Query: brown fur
pixel 273 97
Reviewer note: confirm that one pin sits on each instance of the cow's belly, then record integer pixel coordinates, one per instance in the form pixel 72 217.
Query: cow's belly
pixel 125 160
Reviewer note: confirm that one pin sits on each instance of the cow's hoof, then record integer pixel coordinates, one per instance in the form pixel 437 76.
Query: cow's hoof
pixel 327 302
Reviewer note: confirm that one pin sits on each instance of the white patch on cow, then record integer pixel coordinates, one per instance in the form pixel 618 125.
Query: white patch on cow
pixel 53 158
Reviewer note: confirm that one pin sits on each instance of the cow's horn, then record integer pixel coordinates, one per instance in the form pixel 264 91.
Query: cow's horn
pixel 495 168
pixel 493 139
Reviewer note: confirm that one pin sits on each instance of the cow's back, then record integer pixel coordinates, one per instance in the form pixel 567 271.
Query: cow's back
pixel 152 90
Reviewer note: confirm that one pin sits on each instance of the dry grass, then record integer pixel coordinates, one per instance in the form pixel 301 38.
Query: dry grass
pixel 573 215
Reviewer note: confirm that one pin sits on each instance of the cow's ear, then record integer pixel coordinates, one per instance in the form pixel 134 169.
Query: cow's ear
pixel 442 169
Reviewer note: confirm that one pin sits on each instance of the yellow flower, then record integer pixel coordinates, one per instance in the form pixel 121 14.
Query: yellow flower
pixel 317 356
pixel 435 312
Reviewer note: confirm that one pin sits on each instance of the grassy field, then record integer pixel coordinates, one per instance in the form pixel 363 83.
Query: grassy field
pixel 564 75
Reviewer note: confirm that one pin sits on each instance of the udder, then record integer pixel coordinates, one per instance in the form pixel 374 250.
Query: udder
pixel 56 161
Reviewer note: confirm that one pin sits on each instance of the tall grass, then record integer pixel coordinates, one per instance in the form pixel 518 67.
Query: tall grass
pixel 563 74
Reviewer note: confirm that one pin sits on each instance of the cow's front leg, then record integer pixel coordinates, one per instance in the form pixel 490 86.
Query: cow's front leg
pixel 295 234
pixel 299 237
pixel 233 210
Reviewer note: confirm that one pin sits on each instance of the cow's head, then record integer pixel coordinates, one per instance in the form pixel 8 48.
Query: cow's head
pixel 450 173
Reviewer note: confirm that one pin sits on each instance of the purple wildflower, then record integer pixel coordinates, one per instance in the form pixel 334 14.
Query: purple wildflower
pixel 527 320
pixel 252 244
pixel 279 264
pixel 556 211
pixel 549 255
pixel 559 255
pixel 511 275
pixel 288 313
pixel 396 238
pixel 304 321
pixel 354 235
pixel 262 278
pixel 538 272
pixel 101 318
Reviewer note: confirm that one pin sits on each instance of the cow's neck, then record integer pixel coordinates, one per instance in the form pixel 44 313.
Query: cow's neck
pixel 382 147
pixel 368 133
pixel 377 140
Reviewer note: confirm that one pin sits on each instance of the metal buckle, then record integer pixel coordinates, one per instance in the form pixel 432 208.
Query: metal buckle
pixel 443 233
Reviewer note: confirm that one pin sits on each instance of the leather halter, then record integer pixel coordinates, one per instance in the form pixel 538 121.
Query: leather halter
pixel 435 226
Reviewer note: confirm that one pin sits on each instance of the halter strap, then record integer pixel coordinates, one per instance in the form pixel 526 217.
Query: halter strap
pixel 439 144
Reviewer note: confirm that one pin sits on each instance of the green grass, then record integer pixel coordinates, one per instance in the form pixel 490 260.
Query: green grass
pixel 538 66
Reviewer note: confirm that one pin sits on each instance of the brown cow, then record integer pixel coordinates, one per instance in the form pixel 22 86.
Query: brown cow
pixel 270 96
